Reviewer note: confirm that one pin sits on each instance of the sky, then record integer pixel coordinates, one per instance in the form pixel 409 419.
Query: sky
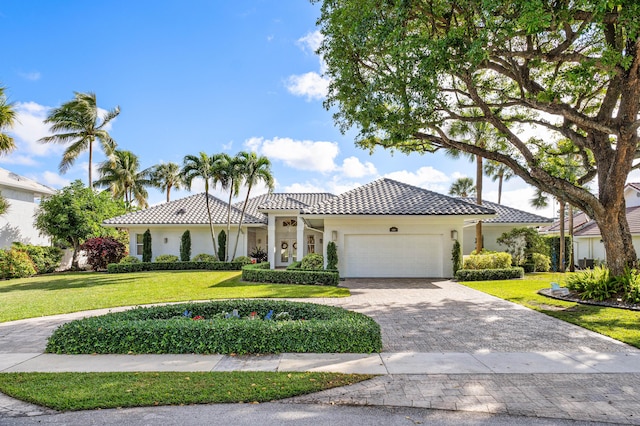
pixel 192 76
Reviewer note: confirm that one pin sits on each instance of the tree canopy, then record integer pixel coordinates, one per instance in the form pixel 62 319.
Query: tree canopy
pixel 538 71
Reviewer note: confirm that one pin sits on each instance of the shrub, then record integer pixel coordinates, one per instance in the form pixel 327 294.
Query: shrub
pixel 146 246
pixel 103 251
pixel 185 246
pixel 129 260
pixel 456 257
pixel 498 260
pixel 295 266
pixel 171 329
pixel 489 274
pixel 45 259
pixel 312 261
pixel 167 258
pixel 521 243
pixel 332 256
pixel 204 257
pixel 541 262
pixel 16 264
pixel 259 255
pixel 262 274
pixel 120 268
pixel 245 260
pixel 222 245
pixel 594 284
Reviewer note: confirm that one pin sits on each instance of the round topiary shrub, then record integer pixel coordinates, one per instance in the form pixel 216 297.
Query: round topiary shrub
pixel 225 327
pixel 167 258
pixel 312 261
pixel 127 260
pixel 16 264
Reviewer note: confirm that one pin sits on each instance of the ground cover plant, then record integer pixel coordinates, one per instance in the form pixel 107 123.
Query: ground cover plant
pixel 72 292
pixel 224 327
pixel 90 391
pixel 620 324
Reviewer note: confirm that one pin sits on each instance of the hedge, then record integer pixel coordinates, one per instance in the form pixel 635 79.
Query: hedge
pixel 166 330
pixel 489 274
pixel 119 268
pixel 499 260
pixel 261 273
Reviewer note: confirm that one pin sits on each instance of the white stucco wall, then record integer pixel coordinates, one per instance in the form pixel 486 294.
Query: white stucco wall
pixel 593 248
pixel 17 223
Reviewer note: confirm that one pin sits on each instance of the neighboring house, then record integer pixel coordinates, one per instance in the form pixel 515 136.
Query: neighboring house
pixel 506 219
pixel 23 196
pixel 383 229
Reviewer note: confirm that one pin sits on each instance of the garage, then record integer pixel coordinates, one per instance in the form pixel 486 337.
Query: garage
pixel 397 256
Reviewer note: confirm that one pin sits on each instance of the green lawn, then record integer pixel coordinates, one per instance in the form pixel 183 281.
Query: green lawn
pixel 620 324
pixel 90 391
pixel 73 292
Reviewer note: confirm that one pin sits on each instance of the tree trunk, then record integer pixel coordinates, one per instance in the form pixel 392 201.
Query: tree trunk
pixel 572 262
pixel 226 247
pixel 614 230
pixel 74 256
pixel 213 235
pixel 90 161
pixel 244 207
pixel 168 192
pixel 500 177
pixel 561 252
pixel 479 202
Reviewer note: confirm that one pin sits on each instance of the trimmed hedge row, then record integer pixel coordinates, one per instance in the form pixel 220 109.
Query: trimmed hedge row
pixel 262 274
pixel 119 268
pixel 165 330
pixel 489 274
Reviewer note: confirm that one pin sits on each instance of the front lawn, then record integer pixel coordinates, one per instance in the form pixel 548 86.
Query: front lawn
pixel 72 292
pixel 90 391
pixel 620 324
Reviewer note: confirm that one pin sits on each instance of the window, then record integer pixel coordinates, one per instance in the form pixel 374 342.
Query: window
pixel 139 240
pixel 311 244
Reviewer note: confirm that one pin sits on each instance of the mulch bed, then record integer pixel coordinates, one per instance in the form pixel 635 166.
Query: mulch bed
pixel 574 297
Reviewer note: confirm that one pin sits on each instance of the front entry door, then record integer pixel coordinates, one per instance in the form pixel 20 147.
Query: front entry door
pixel 288 251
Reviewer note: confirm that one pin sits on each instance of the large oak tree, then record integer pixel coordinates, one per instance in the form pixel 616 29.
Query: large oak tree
pixel 403 71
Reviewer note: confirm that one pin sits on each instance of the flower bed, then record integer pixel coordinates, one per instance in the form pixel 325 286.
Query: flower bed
pixel 223 327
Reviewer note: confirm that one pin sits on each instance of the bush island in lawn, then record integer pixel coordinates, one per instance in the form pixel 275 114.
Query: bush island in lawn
pixel 212 327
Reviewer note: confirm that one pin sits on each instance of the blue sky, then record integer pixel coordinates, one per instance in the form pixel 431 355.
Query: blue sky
pixel 213 76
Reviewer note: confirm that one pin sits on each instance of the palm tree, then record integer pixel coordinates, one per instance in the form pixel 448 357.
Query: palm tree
pixel 125 180
pixel 253 169
pixel 200 166
pixel 79 123
pixel 498 172
pixel 7 120
pixel 462 187
pixel 166 176
pixel 226 173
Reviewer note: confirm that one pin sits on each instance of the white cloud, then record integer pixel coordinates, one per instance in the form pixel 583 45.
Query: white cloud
pixel 424 177
pixel 458 175
pixel 520 199
pixel 30 127
pixel 33 76
pixel 304 187
pixel 54 179
pixel 333 186
pixel 353 168
pixel 312 85
pixel 311 41
pixel 19 159
pixel 308 155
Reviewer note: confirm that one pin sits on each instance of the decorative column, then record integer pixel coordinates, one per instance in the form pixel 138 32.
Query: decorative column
pixel 300 239
pixel 271 240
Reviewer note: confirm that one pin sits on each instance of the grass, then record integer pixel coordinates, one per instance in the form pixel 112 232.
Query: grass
pixel 90 391
pixel 620 324
pixel 72 292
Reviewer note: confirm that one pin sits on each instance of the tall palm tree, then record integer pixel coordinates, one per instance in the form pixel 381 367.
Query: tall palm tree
pixel 125 180
pixel 462 187
pixel 7 121
pixel 200 166
pixel 253 169
pixel 498 172
pixel 79 123
pixel 166 176
pixel 226 173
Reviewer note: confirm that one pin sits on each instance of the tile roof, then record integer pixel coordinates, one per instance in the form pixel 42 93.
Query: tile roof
pixel 283 201
pixel 389 197
pixel 190 211
pixel 579 220
pixel 506 214
pixel 13 180
pixel 591 229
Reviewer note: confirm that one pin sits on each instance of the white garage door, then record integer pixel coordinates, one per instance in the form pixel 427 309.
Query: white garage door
pixel 393 256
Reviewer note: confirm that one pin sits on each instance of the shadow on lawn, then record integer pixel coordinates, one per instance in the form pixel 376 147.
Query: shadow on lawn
pixel 61 282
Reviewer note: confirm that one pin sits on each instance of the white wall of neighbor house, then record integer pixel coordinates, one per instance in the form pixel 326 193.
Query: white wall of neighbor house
pixel 393 246
pixel 17 223
pixel 593 248
pixel 166 240
pixel 490 233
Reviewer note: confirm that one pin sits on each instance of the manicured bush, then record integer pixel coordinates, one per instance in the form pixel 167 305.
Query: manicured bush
pixel 120 268
pixel 259 255
pixel 499 260
pixel 246 260
pixel 332 256
pixel 204 257
pixel 222 245
pixel 489 274
pixel 456 257
pixel 103 251
pixel 185 246
pixel 262 274
pixel 295 266
pixel 312 262
pixel 147 254
pixel 202 328
pixel 167 258
pixel 45 259
pixel 541 262
pixel 16 264
pixel 129 260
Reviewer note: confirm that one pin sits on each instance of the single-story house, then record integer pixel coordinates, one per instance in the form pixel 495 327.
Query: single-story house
pixel 505 220
pixel 383 229
pixel 23 195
